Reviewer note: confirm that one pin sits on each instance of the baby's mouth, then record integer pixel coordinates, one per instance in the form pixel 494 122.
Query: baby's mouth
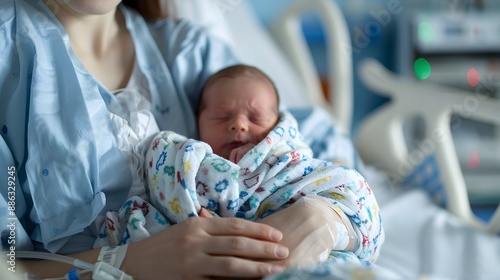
pixel 235 144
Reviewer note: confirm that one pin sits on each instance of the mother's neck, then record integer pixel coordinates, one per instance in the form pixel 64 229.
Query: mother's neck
pixel 100 40
pixel 93 34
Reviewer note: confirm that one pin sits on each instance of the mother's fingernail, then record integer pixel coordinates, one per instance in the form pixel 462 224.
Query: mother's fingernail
pixel 276 235
pixel 282 252
pixel 276 269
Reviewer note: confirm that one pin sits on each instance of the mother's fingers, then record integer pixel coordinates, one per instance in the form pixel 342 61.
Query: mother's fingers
pixel 236 267
pixel 235 227
pixel 245 247
pixel 204 213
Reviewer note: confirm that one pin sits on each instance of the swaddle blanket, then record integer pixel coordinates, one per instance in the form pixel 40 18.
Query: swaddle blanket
pixel 185 175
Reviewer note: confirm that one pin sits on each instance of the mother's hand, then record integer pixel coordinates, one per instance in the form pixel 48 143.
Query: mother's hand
pixel 199 248
pixel 310 231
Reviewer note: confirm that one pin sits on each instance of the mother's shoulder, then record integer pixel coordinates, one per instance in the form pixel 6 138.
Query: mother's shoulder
pixel 176 28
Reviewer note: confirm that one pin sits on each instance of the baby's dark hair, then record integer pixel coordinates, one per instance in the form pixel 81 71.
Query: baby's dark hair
pixel 234 71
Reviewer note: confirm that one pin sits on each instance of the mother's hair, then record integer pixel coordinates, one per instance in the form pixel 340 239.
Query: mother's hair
pixel 149 9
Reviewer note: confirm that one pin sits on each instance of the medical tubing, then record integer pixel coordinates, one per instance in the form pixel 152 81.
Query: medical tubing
pixel 55 257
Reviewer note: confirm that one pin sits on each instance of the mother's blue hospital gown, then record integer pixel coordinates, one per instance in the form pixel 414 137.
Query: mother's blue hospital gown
pixel 55 127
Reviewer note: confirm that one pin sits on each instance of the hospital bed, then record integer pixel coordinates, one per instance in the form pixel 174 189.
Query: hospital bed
pixel 423 239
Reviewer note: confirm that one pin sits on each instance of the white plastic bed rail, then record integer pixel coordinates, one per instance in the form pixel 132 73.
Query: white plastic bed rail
pixel 381 142
pixel 287 32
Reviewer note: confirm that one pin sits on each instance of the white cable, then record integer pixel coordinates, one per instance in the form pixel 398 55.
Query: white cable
pixel 55 257
pixel 101 270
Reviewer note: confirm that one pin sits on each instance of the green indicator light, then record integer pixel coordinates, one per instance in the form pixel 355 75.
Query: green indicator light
pixel 422 68
pixel 425 32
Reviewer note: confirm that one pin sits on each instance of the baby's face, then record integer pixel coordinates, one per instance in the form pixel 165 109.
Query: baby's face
pixel 237 111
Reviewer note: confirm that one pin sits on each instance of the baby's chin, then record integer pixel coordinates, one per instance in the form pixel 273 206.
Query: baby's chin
pixel 224 153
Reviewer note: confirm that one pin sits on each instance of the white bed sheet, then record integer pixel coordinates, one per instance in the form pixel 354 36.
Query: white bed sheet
pixel 424 241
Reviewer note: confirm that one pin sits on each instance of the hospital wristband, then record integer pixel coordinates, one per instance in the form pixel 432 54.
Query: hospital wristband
pixel 352 237
pixel 345 232
pixel 109 262
pixel 113 256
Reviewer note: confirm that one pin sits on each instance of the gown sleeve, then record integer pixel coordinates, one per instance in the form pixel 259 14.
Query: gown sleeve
pixel 12 202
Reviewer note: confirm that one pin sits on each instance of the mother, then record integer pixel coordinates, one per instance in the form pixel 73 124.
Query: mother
pixel 67 132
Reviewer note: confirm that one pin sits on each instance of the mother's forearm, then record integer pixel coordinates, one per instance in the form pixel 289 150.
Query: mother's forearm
pixel 50 269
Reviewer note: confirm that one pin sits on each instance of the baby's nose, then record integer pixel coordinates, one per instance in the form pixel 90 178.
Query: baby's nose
pixel 239 124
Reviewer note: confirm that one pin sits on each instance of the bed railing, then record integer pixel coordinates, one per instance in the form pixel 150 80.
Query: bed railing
pixel 381 142
pixel 287 32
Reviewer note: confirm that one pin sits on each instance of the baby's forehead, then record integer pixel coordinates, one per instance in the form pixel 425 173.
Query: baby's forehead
pixel 254 80
pixel 254 91
pixel 241 77
pixel 233 75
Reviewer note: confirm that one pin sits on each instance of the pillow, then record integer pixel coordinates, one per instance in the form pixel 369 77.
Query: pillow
pixel 206 13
